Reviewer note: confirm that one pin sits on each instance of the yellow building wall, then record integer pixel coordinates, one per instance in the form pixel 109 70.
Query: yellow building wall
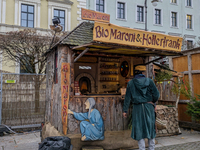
pixel 44 14
pixel 8 65
pixel 10 11
pixel 74 14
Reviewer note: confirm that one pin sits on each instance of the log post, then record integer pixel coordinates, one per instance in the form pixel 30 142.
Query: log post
pixel 54 108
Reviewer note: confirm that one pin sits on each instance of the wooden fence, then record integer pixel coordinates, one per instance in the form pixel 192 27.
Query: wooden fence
pixel 167 97
pixel 188 64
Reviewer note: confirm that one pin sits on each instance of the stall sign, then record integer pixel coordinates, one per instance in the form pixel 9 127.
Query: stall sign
pixel 65 85
pixel 110 33
pixel 94 15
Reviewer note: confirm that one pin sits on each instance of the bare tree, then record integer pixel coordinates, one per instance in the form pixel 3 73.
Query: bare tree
pixel 27 48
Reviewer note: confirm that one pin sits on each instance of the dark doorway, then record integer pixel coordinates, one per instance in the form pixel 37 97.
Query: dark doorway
pixel 85 85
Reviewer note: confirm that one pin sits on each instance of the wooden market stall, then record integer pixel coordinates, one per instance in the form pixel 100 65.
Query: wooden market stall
pixel 96 60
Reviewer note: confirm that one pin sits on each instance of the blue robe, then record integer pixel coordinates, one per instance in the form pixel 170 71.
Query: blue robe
pixel 91 132
pixel 140 91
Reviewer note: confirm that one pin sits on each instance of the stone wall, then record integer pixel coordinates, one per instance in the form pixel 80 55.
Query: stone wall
pixel 170 116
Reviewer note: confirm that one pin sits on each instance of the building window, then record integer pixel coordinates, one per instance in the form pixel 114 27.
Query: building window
pixel 100 5
pixel 189 44
pixel 61 15
pixel 174 19
pixel 189 2
pixel 120 10
pixel 27 16
pixel 157 16
pixel 189 21
pixel 25 65
pixel 173 1
pixel 140 13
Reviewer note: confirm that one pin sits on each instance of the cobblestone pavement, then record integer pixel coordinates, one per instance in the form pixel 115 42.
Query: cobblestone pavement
pixel 186 146
pixel 26 141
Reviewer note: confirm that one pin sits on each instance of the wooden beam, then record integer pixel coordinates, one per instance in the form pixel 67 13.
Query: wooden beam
pixel 153 60
pixel 171 66
pixel 82 46
pixel 195 71
pixel 81 54
pixel 190 73
pixel 137 48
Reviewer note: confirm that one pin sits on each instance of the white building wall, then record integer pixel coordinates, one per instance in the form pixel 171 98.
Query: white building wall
pixel 166 8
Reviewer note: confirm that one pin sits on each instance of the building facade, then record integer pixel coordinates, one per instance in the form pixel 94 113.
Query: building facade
pixel 20 14
pixel 172 17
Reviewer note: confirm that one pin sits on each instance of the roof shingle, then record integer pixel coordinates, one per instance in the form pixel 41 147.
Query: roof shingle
pixel 82 34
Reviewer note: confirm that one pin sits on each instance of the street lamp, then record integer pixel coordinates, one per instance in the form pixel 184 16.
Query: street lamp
pixel 154 3
pixel 55 27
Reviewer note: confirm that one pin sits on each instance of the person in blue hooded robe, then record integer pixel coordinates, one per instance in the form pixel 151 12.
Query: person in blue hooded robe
pixel 91 126
pixel 142 93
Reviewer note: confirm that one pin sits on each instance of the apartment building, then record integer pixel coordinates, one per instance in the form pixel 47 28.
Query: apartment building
pixel 172 17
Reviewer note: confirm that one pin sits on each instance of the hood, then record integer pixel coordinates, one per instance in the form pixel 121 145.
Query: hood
pixel 141 85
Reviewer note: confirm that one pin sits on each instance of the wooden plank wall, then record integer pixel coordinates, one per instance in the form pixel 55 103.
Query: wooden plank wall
pixel 109 107
pixel 189 66
pixel 196 76
pixel 180 64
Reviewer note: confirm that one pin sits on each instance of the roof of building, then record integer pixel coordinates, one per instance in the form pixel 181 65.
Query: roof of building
pixel 81 35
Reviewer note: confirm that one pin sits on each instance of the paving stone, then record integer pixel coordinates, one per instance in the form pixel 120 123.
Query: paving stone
pixel 186 146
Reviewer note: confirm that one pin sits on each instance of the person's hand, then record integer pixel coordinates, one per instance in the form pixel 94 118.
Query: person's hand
pixel 155 109
pixel 70 112
pixel 125 115
pixel 93 124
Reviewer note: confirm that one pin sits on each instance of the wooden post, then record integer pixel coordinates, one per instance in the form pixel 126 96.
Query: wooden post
pixel 190 73
pixel 131 66
pixel 147 66
pixel 170 63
